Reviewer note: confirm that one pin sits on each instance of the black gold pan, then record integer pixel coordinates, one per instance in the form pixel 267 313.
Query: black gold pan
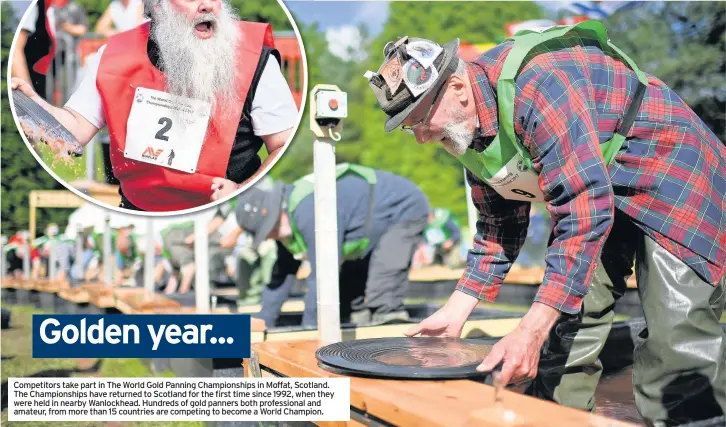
pixel 406 358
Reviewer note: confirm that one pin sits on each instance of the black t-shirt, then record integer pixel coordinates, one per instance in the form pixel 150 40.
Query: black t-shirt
pixel 36 47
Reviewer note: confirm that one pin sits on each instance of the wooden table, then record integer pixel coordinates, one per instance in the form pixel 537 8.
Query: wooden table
pixel 289 306
pixel 99 294
pixel 475 328
pixel 139 301
pixel 459 403
pixel 76 295
pixel 517 275
pixel 51 286
pixel 9 282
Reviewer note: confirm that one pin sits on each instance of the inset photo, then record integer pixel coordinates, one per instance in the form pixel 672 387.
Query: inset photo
pixel 157 107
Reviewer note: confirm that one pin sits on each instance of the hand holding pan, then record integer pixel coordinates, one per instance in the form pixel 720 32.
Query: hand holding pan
pixel 39 125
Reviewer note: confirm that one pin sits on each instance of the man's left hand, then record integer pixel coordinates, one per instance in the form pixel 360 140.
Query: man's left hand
pixel 222 188
pixel 520 349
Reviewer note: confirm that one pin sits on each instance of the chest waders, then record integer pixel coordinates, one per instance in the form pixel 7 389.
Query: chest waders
pixel 505 165
pixel 305 186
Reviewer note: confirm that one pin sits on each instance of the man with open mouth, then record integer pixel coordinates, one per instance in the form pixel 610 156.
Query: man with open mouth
pixel 189 98
pixel 631 176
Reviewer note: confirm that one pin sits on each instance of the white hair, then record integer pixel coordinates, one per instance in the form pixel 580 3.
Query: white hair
pixel 458 137
pixel 149 7
pixel 460 67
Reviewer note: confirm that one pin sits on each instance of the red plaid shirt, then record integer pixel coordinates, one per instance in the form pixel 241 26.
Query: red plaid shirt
pixel 669 176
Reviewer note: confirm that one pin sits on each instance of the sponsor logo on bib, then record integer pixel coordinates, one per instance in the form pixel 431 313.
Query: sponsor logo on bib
pixel 152 153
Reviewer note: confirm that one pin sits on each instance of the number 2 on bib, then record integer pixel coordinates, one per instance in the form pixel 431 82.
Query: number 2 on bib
pixel 166 126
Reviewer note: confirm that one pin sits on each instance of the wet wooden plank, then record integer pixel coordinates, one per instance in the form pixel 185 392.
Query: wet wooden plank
pixel 9 282
pixel 139 301
pixel 289 306
pixel 52 286
pixel 76 295
pixel 517 275
pixel 429 403
pixel 25 284
pixel 99 294
pixel 476 328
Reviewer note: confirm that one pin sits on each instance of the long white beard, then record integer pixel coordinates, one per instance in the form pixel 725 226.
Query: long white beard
pixel 202 69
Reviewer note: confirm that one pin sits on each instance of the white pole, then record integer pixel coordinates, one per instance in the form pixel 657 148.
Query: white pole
pixel 108 263
pixel 3 262
pixel 52 260
pixel 79 251
pixel 326 241
pixel 91 158
pixel 472 213
pixel 201 260
pixel 26 261
pixel 149 258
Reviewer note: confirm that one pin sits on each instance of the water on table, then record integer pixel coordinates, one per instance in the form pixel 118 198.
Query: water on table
pixel 614 397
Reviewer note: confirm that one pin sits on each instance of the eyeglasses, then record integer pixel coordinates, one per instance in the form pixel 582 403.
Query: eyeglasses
pixel 410 129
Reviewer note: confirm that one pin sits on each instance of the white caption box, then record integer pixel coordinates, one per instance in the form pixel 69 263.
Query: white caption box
pixel 179 399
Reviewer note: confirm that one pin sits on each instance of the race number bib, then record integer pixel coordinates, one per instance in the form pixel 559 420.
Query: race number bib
pixel 166 130
pixel 516 181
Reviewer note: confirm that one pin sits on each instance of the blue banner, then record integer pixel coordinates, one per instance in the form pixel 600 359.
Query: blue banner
pixel 178 336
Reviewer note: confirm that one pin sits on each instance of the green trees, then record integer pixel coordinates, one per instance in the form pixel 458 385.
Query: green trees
pixel 683 44
pixel 263 11
pixel 21 173
pixel 438 174
pixel 253 10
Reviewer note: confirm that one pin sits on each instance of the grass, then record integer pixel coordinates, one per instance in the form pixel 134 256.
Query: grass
pixel 75 170
pixel 18 362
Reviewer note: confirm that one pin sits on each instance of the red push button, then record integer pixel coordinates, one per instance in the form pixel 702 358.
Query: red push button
pixel 333 104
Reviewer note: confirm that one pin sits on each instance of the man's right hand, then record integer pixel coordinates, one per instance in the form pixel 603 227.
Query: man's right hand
pixel 77 125
pixel 448 321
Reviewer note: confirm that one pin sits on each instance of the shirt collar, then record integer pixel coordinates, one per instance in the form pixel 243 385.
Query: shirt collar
pixel 486 104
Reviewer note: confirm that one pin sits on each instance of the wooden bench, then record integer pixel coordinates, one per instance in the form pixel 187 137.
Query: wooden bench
pixel 289 306
pixel 419 403
pixel 9 282
pixel 99 295
pixel 476 328
pixel 225 292
pixel 76 295
pixel 28 284
pixel 517 275
pixel 51 286
pixel 47 293
pixel 138 300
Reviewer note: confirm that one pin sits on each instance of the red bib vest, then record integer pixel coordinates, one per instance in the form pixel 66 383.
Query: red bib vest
pixel 124 66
